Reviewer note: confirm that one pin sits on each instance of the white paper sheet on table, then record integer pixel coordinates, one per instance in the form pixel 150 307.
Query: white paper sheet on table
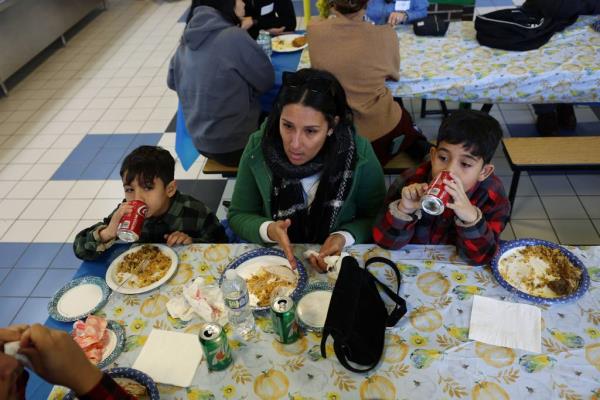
pixel 501 323
pixel 170 357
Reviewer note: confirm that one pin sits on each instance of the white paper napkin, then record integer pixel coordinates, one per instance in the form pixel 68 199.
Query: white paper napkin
pixel 170 357
pixel 505 324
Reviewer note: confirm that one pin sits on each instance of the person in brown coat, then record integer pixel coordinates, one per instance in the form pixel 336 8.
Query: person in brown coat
pixel 362 56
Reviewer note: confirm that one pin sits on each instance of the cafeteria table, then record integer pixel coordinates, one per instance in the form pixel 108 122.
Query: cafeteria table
pixel 427 354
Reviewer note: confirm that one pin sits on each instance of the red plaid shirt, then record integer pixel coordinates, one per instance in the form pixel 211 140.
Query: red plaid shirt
pixel 476 244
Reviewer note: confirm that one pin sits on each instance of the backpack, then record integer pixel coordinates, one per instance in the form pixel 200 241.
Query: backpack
pixel 357 316
pixel 530 26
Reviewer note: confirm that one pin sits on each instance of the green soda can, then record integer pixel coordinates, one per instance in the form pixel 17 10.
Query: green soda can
pixel 283 315
pixel 215 346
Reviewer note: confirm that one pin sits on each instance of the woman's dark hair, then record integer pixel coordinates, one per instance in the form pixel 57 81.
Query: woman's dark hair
pixel 349 6
pixel 316 89
pixel 225 7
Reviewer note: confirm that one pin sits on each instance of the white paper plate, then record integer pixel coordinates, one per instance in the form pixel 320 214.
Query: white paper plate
pixel 313 306
pixel 112 282
pixel 283 43
pixel 78 298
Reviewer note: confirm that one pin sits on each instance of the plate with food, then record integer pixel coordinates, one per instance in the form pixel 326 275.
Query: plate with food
pixel 135 382
pixel 288 43
pixel 101 340
pixel 268 273
pixel 141 269
pixel 78 298
pixel 540 271
pixel 312 307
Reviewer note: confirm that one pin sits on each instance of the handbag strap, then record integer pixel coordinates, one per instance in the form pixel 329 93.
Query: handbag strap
pixel 400 308
pixel 339 347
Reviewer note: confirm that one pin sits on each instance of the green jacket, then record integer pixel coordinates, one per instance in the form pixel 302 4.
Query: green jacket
pixel 251 202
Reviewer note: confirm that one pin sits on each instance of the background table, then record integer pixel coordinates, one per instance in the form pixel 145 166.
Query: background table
pixel 455 67
pixel 427 355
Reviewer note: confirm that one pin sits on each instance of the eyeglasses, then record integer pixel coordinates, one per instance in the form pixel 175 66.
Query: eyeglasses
pixel 291 80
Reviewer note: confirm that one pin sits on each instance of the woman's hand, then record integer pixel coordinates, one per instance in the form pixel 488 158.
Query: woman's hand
pixel 396 18
pixel 56 357
pixel 277 231
pixel 333 246
pixel 276 31
pixel 10 369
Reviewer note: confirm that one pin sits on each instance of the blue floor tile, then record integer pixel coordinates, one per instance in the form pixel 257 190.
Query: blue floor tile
pixel 66 258
pixel 108 155
pixel 53 280
pixel 20 282
pixel 69 171
pixel 11 253
pixel 97 171
pixel 116 173
pixel 94 141
pixel 82 155
pixel 149 139
pixel 38 255
pixel 33 311
pixel 10 307
pixel 3 273
pixel 121 141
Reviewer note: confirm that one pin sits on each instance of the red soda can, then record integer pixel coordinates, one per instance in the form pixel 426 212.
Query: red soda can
pixel 435 200
pixel 130 227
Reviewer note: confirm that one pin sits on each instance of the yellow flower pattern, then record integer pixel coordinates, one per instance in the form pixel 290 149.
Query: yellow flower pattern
pixel 427 355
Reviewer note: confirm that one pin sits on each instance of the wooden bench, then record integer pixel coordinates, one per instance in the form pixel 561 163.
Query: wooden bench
pixel 395 166
pixel 550 154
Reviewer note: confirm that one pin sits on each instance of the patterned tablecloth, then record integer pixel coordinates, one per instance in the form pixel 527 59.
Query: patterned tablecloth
pixel 455 67
pixel 427 355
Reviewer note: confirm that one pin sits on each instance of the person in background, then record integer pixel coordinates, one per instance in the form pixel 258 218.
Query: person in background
pixel 274 16
pixel 396 12
pixel 148 174
pixel 306 176
pixel 55 357
pixel 219 73
pixel 553 117
pixel 362 56
pixel 479 210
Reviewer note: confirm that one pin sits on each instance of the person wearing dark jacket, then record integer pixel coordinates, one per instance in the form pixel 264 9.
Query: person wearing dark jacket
pixel 219 73
pixel 274 16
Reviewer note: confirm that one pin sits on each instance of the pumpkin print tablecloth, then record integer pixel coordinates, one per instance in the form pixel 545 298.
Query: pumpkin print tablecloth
pixel 427 355
pixel 455 67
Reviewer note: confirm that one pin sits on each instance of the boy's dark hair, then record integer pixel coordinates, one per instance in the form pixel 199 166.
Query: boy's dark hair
pixel 475 130
pixel 146 163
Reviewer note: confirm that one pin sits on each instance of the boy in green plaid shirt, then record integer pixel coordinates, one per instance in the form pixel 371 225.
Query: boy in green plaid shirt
pixel 148 174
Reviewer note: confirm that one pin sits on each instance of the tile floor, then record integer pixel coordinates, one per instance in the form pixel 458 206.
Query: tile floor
pixel 65 127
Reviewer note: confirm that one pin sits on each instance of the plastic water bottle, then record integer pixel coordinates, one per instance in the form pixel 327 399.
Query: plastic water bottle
pixel 235 295
pixel 264 41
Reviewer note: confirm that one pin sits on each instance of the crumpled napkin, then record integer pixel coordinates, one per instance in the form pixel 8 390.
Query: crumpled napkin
pixel 199 298
pixel 334 263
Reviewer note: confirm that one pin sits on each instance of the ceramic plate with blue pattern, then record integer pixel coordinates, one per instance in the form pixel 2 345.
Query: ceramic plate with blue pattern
pixel 312 307
pixel 78 298
pixel 114 345
pixel 511 269
pixel 133 381
pixel 251 263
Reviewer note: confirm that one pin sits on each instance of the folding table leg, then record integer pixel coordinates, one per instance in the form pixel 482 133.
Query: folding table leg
pixel 513 188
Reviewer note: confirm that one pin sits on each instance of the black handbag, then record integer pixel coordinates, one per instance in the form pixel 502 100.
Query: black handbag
pixel 357 316
pixel 432 25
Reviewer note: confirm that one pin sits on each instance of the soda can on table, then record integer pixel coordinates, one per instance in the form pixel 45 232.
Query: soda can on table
pixel 435 200
pixel 283 315
pixel 130 227
pixel 215 347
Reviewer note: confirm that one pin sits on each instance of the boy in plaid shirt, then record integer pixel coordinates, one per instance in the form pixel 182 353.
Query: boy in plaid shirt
pixel 148 174
pixel 479 208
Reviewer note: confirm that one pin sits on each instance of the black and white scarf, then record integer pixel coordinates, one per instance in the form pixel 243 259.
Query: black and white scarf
pixel 311 224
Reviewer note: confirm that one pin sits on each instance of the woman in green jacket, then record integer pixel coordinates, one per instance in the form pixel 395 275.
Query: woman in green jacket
pixel 306 176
